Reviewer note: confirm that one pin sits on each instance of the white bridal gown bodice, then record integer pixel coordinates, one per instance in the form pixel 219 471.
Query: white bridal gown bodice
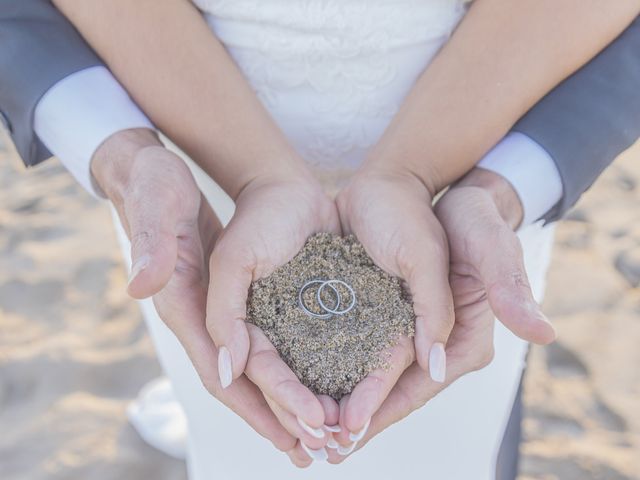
pixel 332 73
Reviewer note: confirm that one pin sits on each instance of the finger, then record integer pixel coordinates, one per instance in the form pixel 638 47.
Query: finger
pixel 184 314
pixel 413 386
pixel 276 380
pixel 331 421
pixel 426 271
pixel 299 457
pixel 370 393
pixel 297 430
pixel 157 202
pixel 181 305
pixel 347 441
pixel 467 349
pixel 230 276
pixel 331 413
pixel 342 437
pixel 154 246
pixel 501 268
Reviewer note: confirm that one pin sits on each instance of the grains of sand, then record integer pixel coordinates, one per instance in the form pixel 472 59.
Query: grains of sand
pixel 331 355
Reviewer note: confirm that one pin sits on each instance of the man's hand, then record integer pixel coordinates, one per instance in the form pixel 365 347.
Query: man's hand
pixel 391 214
pixel 172 231
pixel 488 280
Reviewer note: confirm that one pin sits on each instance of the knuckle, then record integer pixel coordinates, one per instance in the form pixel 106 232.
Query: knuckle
pixel 142 237
pixel 519 278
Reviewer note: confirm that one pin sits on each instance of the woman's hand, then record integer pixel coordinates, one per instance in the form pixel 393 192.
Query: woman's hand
pixel 273 219
pixel 391 214
pixel 488 280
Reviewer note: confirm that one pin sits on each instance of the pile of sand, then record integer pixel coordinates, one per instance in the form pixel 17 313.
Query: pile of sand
pixel 331 353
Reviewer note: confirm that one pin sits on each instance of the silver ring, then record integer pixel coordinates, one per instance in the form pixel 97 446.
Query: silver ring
pixel 306 309
pixel 336 310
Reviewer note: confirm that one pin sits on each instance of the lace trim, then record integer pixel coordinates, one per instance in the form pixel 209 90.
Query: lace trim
pixel 328 70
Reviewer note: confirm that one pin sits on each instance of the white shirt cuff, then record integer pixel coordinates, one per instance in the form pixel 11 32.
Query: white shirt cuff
pixel 530 170
pixel 77 114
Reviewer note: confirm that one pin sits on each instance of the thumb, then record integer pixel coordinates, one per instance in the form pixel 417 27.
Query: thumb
pixel 502 271
pixel 162 196
pixel 152 220
pixel 427 274
pixel 230 277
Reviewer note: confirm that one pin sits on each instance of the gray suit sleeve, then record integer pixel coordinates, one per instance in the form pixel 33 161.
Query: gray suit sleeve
pixel 38 47
pixel 590 118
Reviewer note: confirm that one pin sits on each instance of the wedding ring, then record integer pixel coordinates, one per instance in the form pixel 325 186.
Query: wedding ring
pixel 304 307
pixel 327 311
pixel 335 310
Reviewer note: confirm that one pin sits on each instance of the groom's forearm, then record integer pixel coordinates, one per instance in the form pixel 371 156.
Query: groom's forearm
pixel 502 59
pixel 179 73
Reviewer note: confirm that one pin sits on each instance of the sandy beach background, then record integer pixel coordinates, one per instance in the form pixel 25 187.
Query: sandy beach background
pixel 74 350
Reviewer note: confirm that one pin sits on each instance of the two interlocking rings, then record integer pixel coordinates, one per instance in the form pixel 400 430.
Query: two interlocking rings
pixel 327 311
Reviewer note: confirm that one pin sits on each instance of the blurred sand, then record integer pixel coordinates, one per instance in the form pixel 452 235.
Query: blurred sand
pixel 74 351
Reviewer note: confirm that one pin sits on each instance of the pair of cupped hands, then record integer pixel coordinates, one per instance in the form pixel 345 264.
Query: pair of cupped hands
pixel 460 259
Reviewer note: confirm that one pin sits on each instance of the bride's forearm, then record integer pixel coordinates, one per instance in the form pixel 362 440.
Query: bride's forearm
pixel 504 56
pixel 179 73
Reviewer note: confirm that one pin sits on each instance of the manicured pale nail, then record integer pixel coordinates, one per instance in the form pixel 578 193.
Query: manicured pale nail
pixel 139 265
pixel 344 451
pixel 314 432
pixel 356 437
pixel 333 444
pixel 321 454
pixel 224 367
pixel 437 363
pixel 333 428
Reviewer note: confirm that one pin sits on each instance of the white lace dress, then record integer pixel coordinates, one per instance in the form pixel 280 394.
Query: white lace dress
pixel 332 73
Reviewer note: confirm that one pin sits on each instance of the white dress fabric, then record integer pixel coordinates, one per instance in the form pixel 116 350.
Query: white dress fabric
pixel 332 73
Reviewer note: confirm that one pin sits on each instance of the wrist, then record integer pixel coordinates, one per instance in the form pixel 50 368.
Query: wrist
pixel 287 168
pixel 300 179
pixel 112 161
pixel 397 173
pixel 502 192
pixel 377 165
pixel 284 170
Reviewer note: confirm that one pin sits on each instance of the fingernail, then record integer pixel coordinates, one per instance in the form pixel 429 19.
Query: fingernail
pixel 139 265
pixel 315 432
pixel 437 363
pixel 321 454
pixel 344 451
pixel 333 444
pixel 356 437
pixel 333 428
pixel 224 367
